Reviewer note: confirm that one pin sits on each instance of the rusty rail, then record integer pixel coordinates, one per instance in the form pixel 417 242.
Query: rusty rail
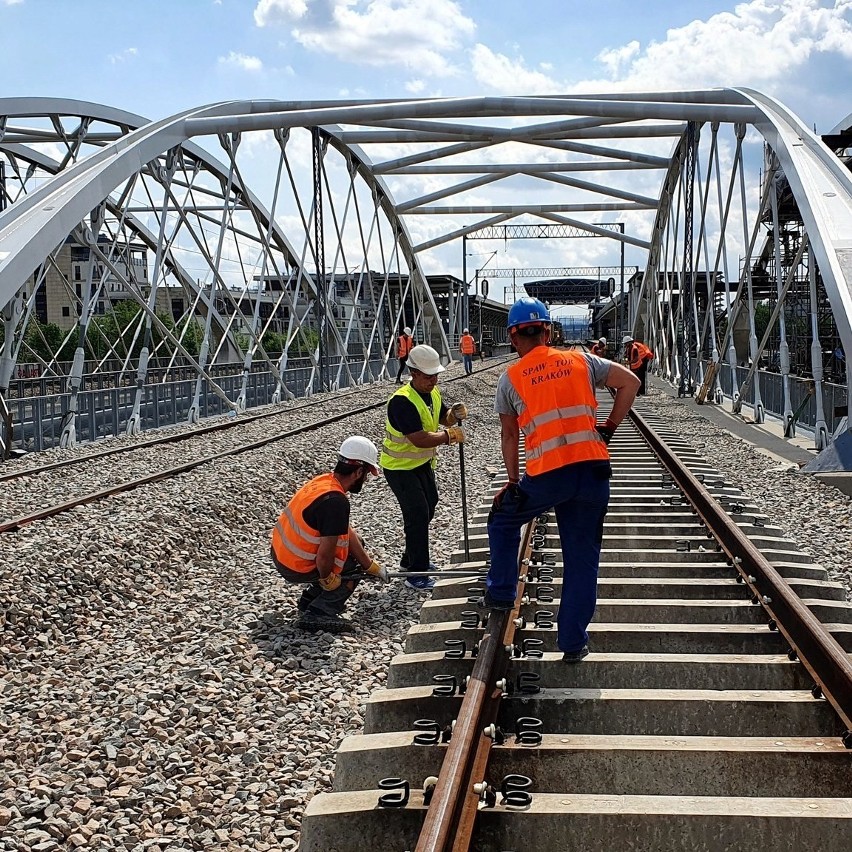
pixel 175 438
pixel 449 822
pixel 14 524
pixel 817 649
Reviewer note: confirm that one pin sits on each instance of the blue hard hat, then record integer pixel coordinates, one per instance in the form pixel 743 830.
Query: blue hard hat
pixel 528 310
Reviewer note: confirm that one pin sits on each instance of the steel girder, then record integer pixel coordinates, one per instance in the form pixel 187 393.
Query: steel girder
pixel 36 224
pixel 561 127
pixel 15 146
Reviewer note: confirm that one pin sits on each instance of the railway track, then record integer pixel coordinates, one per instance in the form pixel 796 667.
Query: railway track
pixel 201 446
pixel 713 711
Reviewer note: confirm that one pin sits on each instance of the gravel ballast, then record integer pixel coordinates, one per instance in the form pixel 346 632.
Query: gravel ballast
pixel 154 694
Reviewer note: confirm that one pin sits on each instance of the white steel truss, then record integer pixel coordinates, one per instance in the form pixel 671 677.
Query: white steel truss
pixel 313 266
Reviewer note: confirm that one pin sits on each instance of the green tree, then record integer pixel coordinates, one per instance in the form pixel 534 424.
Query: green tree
pixel 45 341
pixel 115 331
pixel 274 342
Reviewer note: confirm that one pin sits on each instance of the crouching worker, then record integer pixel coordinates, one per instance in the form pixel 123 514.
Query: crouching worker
pixel 313 543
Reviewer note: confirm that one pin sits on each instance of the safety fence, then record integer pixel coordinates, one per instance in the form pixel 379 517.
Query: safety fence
pixel 835 397
pixel 38 420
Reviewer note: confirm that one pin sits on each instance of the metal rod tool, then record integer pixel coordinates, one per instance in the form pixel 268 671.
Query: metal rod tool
pixel 464 497
pixel 442 574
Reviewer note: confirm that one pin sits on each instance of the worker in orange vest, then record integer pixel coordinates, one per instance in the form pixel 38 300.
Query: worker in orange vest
pixel 549 395
pixel 403 346
pixel 313 542
pixel 467 347
pixel 638 356
pixel 599 348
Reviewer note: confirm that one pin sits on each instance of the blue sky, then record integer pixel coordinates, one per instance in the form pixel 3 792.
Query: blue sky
pixel 159 56
pixel 155 57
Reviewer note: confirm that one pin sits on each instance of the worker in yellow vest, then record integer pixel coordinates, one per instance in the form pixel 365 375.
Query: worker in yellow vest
pixel 415 415
pixel 549 395
pixel 467 347
pixel 313 542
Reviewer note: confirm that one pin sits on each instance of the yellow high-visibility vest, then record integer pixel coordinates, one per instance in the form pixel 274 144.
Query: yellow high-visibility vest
pixel 398 453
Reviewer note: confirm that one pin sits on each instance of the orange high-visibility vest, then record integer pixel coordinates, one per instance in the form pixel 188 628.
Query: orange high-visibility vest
pixel 558 411
pixel 467 344
pixel 405 345
pixel 294 543
pixel 639 352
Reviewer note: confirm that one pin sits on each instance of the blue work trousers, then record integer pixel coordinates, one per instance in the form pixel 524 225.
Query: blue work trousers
pixel 579 494
pixel 468 363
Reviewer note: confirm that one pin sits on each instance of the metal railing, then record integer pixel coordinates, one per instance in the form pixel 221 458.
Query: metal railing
pixel 104 410
pixel 835 397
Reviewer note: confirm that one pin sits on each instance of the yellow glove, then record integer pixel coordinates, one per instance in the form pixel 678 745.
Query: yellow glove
pixel 455 435
pixel 459 411
pixel 330 583
pixel 376 570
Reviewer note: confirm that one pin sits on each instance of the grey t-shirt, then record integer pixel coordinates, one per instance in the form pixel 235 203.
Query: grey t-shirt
pixel 507 400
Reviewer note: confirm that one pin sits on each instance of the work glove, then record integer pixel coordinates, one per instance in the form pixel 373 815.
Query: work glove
pixel 606 430
pixel 510 489
pixel 376 570
pixel 459 411
pixel 330 583
pixel 455 435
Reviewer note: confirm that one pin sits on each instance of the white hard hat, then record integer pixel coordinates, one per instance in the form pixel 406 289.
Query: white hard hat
pixel 601 340
pixel 425 359
pixel 466 331
pixel 407 330
pixel 359 448
pixel 627 339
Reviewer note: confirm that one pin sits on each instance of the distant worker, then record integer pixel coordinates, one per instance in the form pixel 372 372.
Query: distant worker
pixel 467 346
pixel 638 357
pixel 403 348
pixel 313 543
pixel 599 348
pixel 549 394
pixel 409 455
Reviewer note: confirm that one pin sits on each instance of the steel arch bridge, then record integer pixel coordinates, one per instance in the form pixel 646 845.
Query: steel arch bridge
pixel 137 264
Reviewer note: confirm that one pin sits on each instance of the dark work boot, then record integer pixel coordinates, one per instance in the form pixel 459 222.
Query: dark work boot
pixel 487 602
pixel 575 656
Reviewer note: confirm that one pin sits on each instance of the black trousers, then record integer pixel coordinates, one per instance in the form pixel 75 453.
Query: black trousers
pixel 315 598
pixel 402 363
pixel 417 494
pixel 641 373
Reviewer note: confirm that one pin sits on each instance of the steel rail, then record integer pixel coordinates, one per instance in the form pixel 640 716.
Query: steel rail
pixel 816 648
pixel 449 822
pixel 184 436
pixel 95 496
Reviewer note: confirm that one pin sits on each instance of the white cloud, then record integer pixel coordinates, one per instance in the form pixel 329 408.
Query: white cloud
pixel 129 53
pixel 271 12
pixel 12 2
pixel 615 59
pixel 761 43
pixel 241 61
pixel 510 76
pixel 415 86
pixel 422 35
